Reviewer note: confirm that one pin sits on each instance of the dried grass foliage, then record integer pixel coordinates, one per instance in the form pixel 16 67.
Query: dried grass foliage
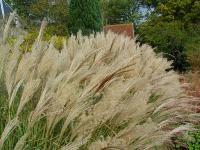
pixel 102 81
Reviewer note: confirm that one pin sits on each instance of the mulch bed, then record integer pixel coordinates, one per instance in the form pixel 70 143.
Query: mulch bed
pixel 192 84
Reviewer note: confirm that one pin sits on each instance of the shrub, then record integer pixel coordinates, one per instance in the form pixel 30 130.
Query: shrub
pixel 170 40
pixel 98 92
pixel 29 39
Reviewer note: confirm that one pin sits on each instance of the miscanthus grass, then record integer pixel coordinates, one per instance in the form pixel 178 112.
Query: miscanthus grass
pixel 98 93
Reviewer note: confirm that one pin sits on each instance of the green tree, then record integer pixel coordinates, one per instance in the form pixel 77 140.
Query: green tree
pixel 22 7
pixel 32 13
pixel 85 15
pixel 120 11
pixel 173 28
pixel 184 10
pixel 56 13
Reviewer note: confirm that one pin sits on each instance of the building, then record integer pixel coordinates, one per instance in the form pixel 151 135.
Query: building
pixel 125 29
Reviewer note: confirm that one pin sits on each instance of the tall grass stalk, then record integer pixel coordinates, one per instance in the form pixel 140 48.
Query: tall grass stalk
pixel 97 93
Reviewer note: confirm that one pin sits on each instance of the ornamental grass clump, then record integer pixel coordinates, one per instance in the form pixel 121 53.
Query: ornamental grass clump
pixel 99 92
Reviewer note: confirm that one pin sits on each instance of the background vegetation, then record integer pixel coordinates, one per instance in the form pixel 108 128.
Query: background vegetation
pixel 32 12
pixel 172 26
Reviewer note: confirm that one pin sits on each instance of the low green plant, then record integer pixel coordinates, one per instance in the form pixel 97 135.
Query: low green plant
pixel 194 144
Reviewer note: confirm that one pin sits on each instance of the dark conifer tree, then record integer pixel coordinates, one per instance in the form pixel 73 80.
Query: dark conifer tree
pixel 85 15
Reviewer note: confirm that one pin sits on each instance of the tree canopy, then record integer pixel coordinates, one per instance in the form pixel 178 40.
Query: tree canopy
pixel 33 12
pixel 119 11
pixel 85 16
pixel 173 28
